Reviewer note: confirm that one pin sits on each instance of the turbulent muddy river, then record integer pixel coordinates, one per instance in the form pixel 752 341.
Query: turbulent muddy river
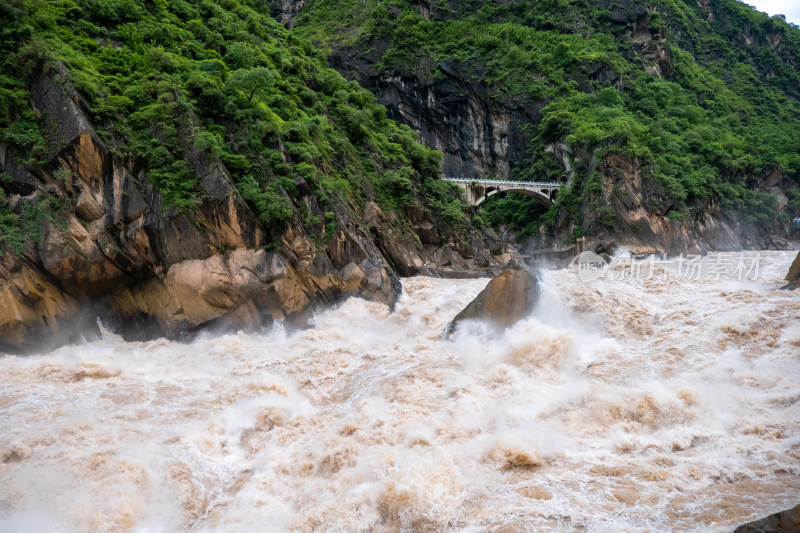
pixel 663 404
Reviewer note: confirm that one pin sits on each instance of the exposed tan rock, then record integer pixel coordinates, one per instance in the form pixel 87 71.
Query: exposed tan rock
pixel 426 230
pixel 195 292
pixel 352 277
pixel 793 276
pixel 506 299
pixel 204 290
pixel 642 215
pixel 640 229
pixel 76 261
pixel 88 207
pixel 86 159
pixel 233 222
pixel 30 306
pixel 269 281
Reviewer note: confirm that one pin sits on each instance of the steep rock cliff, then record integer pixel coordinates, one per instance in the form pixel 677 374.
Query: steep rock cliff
pixel 479 131
pixel 111 250
pixel 639 217
pixel 485 129
pixel 478 136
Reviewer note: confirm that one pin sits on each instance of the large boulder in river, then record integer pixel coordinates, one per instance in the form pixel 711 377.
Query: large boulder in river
pixel 787 521
pixel 794 271
pixel 505 300
pixel 793 277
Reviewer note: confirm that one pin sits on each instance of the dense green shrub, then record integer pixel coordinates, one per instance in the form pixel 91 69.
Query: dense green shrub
pixel 520 213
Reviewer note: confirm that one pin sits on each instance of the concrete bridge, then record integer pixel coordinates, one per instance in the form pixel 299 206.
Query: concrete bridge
pixel 478 190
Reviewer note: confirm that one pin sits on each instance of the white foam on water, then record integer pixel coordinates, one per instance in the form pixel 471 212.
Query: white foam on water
pixel 632 405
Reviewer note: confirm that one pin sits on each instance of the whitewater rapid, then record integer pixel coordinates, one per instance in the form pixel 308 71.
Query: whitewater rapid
pixel 620 405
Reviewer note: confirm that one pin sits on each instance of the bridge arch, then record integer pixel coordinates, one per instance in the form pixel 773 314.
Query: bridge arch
pixel 543 197
pixel 477 190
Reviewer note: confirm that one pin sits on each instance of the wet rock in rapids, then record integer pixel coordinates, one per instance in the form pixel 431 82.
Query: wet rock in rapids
pixel 793 277
pixel 506 299
pixel 787 521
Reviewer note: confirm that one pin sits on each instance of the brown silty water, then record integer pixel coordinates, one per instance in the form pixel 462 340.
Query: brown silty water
pixel 620 405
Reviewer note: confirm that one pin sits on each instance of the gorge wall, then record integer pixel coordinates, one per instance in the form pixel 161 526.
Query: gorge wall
pixel 483 131
pixel 118 254
pixel 205 178
pixel 643 228
pixel 478 136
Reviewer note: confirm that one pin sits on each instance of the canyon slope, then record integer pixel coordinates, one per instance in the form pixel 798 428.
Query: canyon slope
pixel 169 167
pixel 675 123
pixel 161 178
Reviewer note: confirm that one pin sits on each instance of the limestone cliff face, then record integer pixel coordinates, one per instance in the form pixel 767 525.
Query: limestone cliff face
pixel 482 134
pixel 284 11
pixel 477 135
pixel 708 227
pixel 115 251
pixel 640 217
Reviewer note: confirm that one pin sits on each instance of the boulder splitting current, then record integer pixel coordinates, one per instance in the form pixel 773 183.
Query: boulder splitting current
pixel 508 298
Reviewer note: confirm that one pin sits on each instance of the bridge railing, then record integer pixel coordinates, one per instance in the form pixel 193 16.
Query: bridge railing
pixel 505 182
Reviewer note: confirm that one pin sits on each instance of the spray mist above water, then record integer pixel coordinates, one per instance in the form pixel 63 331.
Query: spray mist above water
pixel 641 404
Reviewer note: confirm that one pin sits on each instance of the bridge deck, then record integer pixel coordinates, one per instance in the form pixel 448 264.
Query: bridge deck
pixel 505 182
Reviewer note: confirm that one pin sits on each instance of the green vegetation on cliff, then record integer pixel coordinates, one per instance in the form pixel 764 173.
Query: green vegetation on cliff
pixel 705 95
pixel 168 83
